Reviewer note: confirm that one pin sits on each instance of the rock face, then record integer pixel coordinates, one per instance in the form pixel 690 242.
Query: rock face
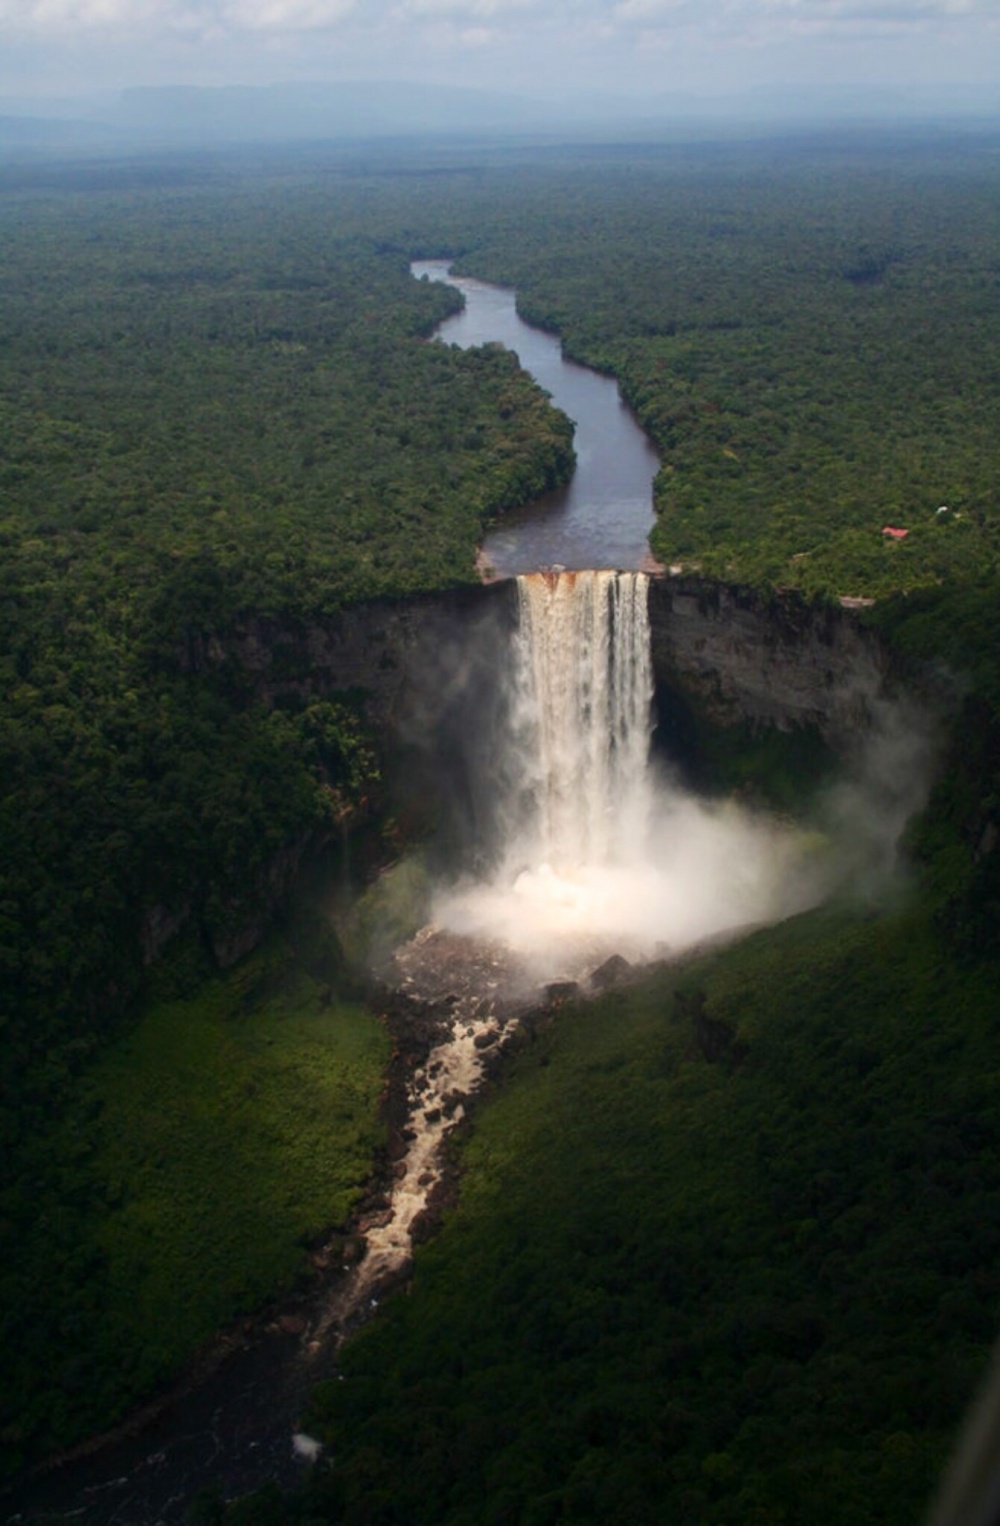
pixel 407 658
pixel 613 972
pixel 739 654
pixel 423 670
pixel 428 670
pixel 430 662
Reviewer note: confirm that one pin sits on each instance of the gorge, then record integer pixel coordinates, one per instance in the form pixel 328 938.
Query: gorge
pixel 579 837
pixel 716 1240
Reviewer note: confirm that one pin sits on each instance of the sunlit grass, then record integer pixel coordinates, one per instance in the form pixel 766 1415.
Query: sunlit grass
pixel 204 1151
pixel 759 1287
pixel 228 1139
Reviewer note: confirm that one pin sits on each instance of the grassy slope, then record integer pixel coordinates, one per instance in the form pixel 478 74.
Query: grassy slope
pixel 200 1155
pixel 753 1290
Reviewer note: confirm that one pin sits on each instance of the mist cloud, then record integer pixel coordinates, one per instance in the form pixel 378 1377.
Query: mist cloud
pixel 585 847
pixel 707 868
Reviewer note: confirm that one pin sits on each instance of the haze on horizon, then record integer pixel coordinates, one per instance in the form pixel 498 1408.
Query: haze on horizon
pixel 625 55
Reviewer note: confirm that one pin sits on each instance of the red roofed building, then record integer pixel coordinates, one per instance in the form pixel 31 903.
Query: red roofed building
pixel 893 533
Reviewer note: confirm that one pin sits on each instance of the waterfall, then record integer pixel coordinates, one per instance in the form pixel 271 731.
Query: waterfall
pixel 596 852
pixel 582 690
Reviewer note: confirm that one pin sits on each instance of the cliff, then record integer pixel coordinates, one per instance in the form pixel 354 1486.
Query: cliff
pixel 425 672
pixel 736 654
pixel 404 658
pixel 772 659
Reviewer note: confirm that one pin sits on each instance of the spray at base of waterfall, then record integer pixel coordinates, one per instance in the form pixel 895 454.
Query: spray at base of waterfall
pixel 597 854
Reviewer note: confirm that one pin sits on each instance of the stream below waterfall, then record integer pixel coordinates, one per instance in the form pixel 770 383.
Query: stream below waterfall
pixel 457 1000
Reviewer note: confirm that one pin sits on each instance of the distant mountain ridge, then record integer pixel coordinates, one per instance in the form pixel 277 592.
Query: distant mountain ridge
pixel 355 109
pixel 144 116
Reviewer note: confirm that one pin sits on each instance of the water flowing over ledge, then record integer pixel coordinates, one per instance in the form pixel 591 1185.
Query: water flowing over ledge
pixel 583 687
pixel 595 853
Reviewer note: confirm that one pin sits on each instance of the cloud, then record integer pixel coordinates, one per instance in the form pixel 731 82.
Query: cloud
pixel 175 15
pixel 645 11
pixel 537 46
pixel 564 18
pixel 264 15
pixel 716 17
pixel 285 15
pixel 898 12
pixel 874 19
pixel 59 15
pixel 461 9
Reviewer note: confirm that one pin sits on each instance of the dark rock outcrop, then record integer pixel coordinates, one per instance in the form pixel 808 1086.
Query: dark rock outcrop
pixel 715 1038
pixel 768 658
pixel 406 659
pixel 739 654
pixel 613 972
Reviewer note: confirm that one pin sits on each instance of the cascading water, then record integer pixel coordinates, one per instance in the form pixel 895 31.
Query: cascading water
pixel 596 854
pixel 580 718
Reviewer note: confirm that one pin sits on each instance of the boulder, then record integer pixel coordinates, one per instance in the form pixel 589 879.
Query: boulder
pixel 613 972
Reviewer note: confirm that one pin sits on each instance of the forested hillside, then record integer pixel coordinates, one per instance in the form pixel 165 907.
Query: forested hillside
pixel 217 404
pixel 726 1252
pixel 757 1285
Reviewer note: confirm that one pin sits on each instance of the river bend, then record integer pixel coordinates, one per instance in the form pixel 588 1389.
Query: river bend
pixel 234 1428
pixel 603 516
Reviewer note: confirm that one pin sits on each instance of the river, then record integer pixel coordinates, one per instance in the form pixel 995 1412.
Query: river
pixel 603 517
pixel 232 1428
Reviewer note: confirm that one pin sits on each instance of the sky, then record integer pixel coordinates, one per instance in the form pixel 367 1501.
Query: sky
pixel 542 48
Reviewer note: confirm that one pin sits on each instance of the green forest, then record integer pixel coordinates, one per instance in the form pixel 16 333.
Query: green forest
pixel 759 1286
pixel 219 405
pixel 813 350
